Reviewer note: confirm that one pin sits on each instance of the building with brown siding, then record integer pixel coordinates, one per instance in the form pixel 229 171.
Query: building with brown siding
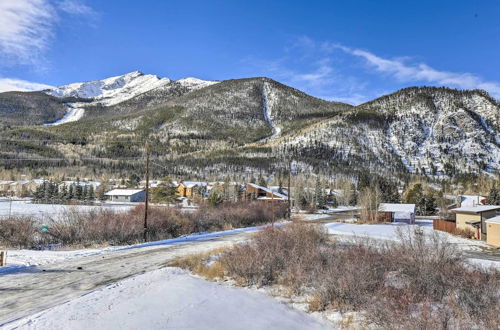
pixel 256 192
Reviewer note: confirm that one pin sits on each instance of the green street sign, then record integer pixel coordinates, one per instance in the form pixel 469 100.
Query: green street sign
pixel 45 228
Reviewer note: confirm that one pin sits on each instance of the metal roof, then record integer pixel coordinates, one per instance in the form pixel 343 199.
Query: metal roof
pixel 476 209
pixel 493 220
pixel 403 208
pixel 123 192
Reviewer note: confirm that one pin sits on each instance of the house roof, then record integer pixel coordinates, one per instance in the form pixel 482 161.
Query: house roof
pixel 123 192
pixel 493 220
pixel 476 209
pixel 191 184
pixel 471 200
pixel 5 182
pixel 403 208
pixel 277 194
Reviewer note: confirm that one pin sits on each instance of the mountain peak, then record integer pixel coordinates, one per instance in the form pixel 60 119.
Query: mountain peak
pixel 111 90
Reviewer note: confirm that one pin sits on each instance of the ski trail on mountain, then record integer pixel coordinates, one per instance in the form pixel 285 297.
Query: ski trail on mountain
pixel 266 90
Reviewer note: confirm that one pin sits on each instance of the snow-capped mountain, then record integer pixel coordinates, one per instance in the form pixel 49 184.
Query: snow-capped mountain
pixel 115 90
pixel 112 90
pixel 424 130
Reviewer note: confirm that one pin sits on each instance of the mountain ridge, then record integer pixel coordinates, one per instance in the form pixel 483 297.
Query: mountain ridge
pixel 257 122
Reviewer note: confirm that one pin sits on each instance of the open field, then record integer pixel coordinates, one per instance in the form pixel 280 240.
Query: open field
pixel 29 209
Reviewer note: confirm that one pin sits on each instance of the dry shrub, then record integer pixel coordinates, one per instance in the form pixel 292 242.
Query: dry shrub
pixel 465 233
pixel 421 282
pixel 204 264
pixel 287 255
pixel 109 227
pixel 18 231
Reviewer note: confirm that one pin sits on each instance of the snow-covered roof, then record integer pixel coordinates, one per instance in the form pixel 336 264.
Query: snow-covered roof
pixel 476 209
pixel 20 182
pixel 403 208
pixel 277 194
pixel 493 220
pixel 123 192
pixel 471 200
pixel 191 184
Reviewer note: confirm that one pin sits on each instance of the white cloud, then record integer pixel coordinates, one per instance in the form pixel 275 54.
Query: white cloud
pixel 27 27
pixel 418 72
pixel 8 84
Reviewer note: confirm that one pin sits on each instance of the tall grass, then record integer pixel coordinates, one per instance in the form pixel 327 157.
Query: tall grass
pixel 109 227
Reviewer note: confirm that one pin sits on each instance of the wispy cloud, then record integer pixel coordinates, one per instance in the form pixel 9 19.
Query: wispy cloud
pixel 8 84
pixel 76 7
pixel 27 27
pixel 337 72
pixel 403 71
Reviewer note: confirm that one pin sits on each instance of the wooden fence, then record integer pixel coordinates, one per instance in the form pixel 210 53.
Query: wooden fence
pixel 444 225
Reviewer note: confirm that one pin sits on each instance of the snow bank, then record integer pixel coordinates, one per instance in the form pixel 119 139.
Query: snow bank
pixel 170 298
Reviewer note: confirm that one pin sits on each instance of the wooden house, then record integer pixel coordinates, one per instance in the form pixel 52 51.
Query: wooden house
pixel 188 189
pixel 259 193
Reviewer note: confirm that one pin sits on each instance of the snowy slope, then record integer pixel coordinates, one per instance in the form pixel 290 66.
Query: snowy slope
pixel 431 131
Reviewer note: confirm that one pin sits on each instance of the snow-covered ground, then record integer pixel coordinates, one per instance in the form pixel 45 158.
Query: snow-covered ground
pixel 170 298
pixel 390 232
pixel 27 208
pixel 33 259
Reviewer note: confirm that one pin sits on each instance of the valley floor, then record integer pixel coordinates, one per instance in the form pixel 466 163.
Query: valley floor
pixel 131 287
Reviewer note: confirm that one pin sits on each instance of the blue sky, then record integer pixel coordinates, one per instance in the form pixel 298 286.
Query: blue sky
pixel 349 51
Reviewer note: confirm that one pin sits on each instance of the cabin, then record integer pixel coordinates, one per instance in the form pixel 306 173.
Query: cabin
pixel 398 212
pixel 189 188
pixel 126 195
pixel 259 193
pixel 473 218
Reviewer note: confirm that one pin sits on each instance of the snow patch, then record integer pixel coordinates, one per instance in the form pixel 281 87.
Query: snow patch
pixel 195 83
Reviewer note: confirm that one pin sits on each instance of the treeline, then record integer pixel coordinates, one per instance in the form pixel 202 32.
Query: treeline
pixel 54 193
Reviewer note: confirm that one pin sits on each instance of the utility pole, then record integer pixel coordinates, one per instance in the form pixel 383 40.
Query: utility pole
pixel 289 189
pixel 147 195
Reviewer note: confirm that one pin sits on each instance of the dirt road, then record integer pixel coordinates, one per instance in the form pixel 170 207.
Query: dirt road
pixel 28 292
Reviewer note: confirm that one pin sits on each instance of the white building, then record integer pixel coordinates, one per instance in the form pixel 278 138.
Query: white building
pixel 126 195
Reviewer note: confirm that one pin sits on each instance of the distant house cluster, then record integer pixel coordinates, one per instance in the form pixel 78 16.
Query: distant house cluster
pixel 188 190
